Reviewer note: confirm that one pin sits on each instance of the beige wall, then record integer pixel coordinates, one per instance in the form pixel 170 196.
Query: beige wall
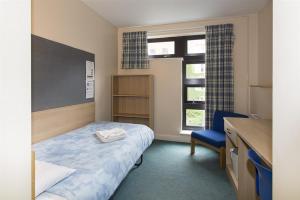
pixel 167 100
pixel 265 45
pixel 72 23
pixel 167 73
pixel 261 98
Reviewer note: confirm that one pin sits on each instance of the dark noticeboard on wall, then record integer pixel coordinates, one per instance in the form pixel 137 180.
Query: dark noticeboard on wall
pixel 58 74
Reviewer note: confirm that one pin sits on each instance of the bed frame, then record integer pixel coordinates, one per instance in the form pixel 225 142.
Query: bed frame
pixel 53 122
pixel 57 121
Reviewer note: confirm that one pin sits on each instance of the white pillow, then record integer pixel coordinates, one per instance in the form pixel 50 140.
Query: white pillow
pixel 48 174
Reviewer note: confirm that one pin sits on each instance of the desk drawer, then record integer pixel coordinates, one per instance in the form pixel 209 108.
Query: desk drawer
pixel 231 133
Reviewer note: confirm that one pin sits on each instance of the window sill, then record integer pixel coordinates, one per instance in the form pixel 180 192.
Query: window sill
pixel 171 58
pixel 186 132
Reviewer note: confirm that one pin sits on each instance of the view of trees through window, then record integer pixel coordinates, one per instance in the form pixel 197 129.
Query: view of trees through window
pixel 194 71
pixel 196 94
pixel 195 117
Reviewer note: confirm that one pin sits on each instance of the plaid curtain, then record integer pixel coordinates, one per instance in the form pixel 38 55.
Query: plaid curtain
pixel 219 70
pixel 135 51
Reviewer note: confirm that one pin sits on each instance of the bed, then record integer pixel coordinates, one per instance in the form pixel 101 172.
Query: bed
pixel 100 167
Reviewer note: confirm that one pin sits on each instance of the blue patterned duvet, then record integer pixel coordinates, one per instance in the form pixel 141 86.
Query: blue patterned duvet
pixel 100 167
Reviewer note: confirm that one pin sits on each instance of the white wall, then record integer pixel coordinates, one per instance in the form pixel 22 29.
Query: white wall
pixel 72 23
pixel 15 111
pixel 286 97
pixel 165 70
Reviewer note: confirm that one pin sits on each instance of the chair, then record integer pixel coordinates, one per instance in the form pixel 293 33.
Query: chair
pixel 263 177
pixel 214 138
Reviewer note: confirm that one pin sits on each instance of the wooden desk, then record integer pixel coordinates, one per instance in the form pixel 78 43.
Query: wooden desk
pixel 243 134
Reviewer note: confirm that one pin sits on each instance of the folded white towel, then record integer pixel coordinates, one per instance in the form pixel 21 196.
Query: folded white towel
pixel 111 135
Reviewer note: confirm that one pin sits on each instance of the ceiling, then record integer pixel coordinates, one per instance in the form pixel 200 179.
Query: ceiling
pixel 123 13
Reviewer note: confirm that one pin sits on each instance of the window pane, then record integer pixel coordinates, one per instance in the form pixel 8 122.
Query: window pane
pixel 195 117
pixel 194 71
pixel 196 46
pixel 161 48
pixel 196 94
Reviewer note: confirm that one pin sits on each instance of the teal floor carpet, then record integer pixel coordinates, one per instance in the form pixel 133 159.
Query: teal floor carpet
pixel 170 173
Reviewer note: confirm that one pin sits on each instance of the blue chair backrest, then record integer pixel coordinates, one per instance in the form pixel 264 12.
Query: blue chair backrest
pixel 218 121
pixel 264 176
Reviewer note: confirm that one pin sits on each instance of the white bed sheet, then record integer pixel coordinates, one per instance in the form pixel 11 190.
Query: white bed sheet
pixel 49 196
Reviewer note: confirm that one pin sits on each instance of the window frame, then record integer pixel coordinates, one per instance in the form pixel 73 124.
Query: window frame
pixel 198 105
pixel 180 46
pixel 198 58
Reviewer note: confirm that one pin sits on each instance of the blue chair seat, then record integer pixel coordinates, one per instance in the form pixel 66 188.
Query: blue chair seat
pixel 211 137
pixel 263 177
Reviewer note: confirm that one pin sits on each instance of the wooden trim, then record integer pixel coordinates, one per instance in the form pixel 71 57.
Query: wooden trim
pixel 53 122
pixel 143 116
pixel 130 95
pixel 232 178
pixel 246 174
pixel 207 145
pixel 129 75
pixel 222 157
pixel 221 150
pixel 151 101
pixel 32 175
pixel 261 86
pixel 112 98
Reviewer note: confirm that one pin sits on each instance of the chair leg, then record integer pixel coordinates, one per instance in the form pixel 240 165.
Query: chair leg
pixel 222 158
pixel 193 144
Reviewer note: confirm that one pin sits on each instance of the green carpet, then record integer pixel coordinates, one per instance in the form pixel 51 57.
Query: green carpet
pixel 170 173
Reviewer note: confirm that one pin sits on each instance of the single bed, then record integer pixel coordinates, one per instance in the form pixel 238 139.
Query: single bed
pixel 100 167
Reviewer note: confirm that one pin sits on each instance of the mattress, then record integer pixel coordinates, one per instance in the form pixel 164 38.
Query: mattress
pixel 49 196
pixel 100 167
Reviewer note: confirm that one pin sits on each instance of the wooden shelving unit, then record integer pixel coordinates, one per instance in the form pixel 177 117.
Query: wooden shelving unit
pixel 132 99
pixel 130 95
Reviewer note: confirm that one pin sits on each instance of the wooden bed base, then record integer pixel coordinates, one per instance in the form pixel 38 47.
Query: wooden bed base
pixel 57 121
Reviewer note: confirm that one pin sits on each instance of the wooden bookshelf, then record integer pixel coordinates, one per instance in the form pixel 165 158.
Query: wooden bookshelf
pixel 132 99
pixel 130 95
pixel 129 115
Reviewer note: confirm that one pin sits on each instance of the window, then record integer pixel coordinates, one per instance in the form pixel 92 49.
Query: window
pixel 192 50
pixel 193 83
pixel 161 47
pixel 195 118
pixel 193 98
pixel 194 71
pixel 195 94
pixel 196 46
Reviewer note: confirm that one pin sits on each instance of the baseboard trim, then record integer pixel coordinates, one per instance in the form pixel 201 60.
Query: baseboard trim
pixel 174 138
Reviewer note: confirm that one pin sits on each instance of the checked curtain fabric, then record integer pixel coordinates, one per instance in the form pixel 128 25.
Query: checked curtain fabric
pixel 135 51
pixel 219 70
